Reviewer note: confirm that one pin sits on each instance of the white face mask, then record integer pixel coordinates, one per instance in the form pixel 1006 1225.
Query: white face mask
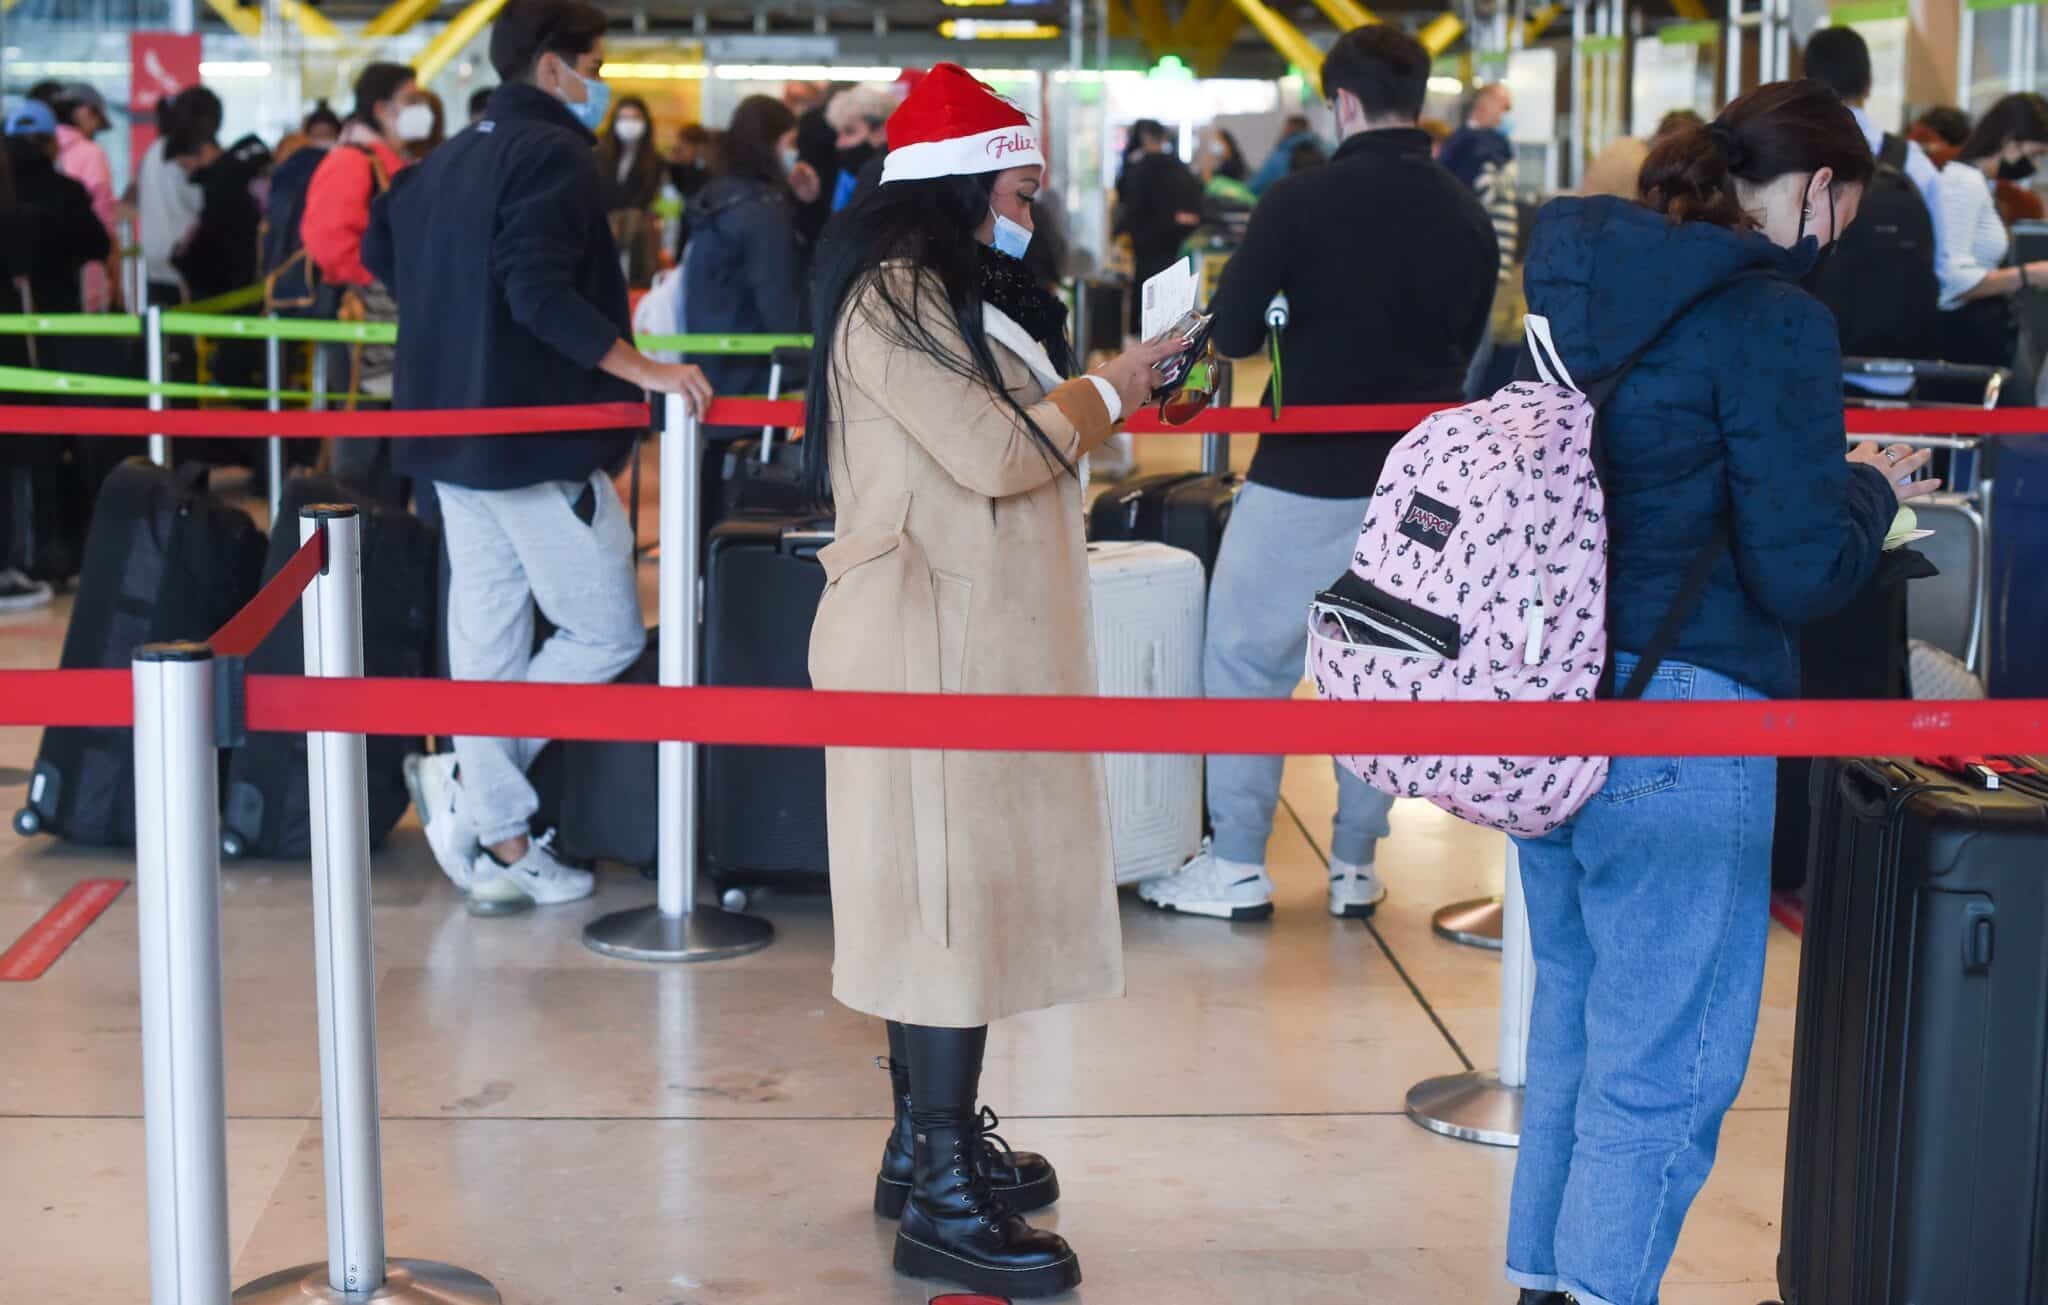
pixel 416 122
pixel 629 130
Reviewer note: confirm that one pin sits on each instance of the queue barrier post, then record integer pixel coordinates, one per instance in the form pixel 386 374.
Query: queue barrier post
pixel 153 353
pixel 177 895
pixel 345 975
pixel 273 375
pixel 677 927
pixel 1480 1105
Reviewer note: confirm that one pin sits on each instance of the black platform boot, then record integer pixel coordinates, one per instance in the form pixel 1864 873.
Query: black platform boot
pixel 1545 1298
pixel 1024 1180
pixel 954 1225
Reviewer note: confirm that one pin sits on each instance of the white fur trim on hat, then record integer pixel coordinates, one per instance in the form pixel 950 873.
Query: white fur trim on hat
pixel 965 156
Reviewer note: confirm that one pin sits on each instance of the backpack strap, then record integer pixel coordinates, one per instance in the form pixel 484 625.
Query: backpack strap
pixel 1892 152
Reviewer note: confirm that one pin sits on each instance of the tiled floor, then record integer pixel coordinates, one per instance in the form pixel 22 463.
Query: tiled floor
pixel 585 1130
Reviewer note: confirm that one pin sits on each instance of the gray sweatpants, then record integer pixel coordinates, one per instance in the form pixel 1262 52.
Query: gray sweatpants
pixel 1279 551
pixel 567 547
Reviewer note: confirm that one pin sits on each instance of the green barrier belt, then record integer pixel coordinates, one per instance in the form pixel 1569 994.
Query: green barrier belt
pixel 28 380
pixel 283 328
pixel 248 296
pixel 724 345
pixel 105 324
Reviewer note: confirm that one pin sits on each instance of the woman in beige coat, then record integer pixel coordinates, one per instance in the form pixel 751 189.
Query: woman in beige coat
pixel 966 886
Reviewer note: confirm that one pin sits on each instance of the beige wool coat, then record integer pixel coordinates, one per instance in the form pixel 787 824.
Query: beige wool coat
pixel 966 886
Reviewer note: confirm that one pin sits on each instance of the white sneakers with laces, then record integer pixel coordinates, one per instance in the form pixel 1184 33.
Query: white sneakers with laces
pixel 437 796
pixel 1232 890
pixel 536 879
pixel 1209 885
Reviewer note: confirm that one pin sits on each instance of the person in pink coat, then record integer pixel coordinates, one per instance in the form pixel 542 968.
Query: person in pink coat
pixel 81 116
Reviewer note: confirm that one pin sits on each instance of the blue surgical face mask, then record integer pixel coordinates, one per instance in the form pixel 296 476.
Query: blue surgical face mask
pixel 790 158
pixel 1507 125
pixel 597 99
pixel 1011 238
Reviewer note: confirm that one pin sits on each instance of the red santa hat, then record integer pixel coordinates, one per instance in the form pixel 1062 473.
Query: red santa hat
pixel 953 126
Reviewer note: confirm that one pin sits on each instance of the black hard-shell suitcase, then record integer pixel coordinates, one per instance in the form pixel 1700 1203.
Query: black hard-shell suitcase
pixel 762 810
pixel 767 474
pixel 1917 1160
pixel 601 798
pixel 1187 510
pixel 266 812
pixel 164 561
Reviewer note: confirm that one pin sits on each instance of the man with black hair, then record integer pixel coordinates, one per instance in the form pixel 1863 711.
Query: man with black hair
pixel 1388 264
pixel 167 201
pixel 1160 203
pixel 1839 59
pixel 479 105
pixel 511 294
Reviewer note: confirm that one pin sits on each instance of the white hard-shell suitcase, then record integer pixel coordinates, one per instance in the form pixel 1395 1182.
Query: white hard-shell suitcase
pixel 1149 603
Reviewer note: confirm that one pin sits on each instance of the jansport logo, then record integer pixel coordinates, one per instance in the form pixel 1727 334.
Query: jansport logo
pixel 1017 142
pixel 1429 522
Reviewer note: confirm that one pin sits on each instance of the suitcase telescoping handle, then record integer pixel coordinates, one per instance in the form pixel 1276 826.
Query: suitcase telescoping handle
pixel 778 360
pixel 1869 786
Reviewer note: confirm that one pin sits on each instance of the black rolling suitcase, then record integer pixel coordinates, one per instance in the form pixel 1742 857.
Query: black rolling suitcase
pixel 601 797
pixel 762 810
pixel 767 474
pixel 1917 1160
pixel 265 811
pixel 1187 510
pixel 164 560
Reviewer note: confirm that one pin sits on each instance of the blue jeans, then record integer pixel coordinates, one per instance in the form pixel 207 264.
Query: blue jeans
pixel 1279 551
pixel 1649 913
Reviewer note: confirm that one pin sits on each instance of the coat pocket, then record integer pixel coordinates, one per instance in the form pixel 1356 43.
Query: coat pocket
pixel 954 596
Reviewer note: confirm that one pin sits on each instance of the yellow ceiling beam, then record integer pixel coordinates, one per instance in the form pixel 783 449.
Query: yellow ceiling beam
pixel 1347 14
pixel 400 17
pixel 309 20
pixel 1693 10
pixel 1284 36
pixel 1121 25
pixel 1154 28
pixel 248 22
pixel 460 31
pixel 1441 33
pixel 1540 21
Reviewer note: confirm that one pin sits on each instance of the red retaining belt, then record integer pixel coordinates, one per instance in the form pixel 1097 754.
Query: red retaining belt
pixel 253 624
pixel 967 722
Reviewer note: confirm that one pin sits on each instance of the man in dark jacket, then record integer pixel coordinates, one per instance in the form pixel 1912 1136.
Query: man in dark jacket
pixel 510 294
pixel 1387 263
pixel 1160 199
pixel 67 235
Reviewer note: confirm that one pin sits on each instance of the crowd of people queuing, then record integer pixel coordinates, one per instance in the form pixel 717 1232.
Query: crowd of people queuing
pixel 948 416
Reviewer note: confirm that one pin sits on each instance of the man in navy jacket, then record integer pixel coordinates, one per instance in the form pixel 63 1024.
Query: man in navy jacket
pixel 510 293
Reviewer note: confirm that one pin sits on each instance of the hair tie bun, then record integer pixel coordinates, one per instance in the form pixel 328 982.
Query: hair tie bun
pixel 1730 145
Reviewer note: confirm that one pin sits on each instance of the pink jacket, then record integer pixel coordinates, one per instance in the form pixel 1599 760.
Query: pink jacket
pixel 80 158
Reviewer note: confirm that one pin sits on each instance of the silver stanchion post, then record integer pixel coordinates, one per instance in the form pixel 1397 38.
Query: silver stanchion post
pixel 1216 453
pixel 1482 1106
pixel 273 372
pixel 153 349
pixel 345 975
pixel 678 927
pixel 177 898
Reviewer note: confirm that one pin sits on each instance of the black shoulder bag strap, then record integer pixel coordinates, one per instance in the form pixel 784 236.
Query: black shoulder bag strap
pixel 1694 587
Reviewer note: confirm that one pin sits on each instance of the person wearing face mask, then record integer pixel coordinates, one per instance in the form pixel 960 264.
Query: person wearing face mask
pixel 860 116
pixel 966 887
pixel 512 296
pixel 1649 908
pixel 744 273
pixel 629 175
pixel 421 126
pixel 373 151
pixel 1977 286
pixel 1368 326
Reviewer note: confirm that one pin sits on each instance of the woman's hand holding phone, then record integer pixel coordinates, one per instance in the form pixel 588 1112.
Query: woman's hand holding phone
pixel 1901 465
pixel 1135 372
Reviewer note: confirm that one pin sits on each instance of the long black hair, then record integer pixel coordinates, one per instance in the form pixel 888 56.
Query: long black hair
pixel 931 224
pixel 751 145
pixel 2022 117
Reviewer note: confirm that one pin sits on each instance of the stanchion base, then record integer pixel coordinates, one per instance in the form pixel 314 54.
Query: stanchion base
pixel 1473 924
pixel 406 1282
pixel 1473 1107
pixel 705 934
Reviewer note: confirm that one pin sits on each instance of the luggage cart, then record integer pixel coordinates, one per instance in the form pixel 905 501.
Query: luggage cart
pixel 1954 610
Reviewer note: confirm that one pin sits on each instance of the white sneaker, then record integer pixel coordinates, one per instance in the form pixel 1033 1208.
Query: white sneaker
pixel 437 795
pixel 18 593
pixel 1209 885
pixel 1355 891
pixel 536 879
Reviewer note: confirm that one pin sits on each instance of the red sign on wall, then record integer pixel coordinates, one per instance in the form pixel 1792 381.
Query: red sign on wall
pixel 161 65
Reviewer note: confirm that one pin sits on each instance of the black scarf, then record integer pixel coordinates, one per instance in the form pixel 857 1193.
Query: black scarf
pixel 1009 287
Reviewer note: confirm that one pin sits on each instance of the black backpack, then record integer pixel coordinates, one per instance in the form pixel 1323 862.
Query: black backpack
pixel 288 278
pixel 1879 282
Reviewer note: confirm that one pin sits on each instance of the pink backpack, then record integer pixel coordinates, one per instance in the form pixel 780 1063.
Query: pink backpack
pixel 1480 575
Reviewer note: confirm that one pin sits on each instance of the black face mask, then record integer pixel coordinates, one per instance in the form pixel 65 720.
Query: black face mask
pixel 2018 169
pixel 853 160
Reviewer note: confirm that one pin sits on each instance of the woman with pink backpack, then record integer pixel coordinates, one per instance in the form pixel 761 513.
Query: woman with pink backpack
pixel 1726 496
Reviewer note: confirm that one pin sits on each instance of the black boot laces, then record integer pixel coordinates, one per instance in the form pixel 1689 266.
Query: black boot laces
pixel 992 1142
pixel 990 1209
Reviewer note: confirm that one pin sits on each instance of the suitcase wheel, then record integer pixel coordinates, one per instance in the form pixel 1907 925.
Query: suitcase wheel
pixel 232 845
pixel 28 822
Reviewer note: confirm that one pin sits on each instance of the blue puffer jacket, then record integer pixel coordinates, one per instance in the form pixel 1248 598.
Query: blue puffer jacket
pixel 1735 416
pixel 742 275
